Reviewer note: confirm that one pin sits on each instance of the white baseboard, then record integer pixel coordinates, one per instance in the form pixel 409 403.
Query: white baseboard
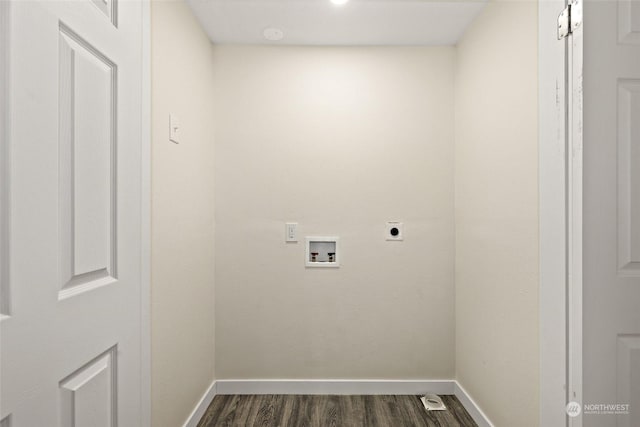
pixel 338 387
pixel 470 405
pixel 201 407
pixel 334 386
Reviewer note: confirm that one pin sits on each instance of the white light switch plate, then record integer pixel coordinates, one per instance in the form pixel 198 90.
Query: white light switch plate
pixel 291 232
pixel 175 129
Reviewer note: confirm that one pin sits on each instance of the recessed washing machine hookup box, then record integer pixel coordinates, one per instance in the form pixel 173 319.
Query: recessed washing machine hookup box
pixel 322 252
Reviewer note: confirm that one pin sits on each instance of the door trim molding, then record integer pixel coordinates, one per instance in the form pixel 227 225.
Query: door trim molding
pixel 574 218
pixel 145 220
pixel 553 211
pixel 5 155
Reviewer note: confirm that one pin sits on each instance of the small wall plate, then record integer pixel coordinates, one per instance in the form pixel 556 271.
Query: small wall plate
pixel 273 34
pixel 394 231
pixel 322 252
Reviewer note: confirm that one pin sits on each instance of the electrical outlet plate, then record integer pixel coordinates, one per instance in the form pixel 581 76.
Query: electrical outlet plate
pixel 394 230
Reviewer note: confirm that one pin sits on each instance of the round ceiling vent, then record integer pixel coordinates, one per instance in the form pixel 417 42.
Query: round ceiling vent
pixel 273 34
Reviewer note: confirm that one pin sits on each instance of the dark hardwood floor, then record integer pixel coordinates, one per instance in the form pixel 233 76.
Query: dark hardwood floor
pixel 331 411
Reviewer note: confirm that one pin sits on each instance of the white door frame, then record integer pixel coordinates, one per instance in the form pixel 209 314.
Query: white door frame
pixel 556 203
pixel 574 220
pixel 4 158
pixel 145 220
pixel 145 223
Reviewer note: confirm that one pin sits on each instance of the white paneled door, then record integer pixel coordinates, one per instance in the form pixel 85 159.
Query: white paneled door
pixel 611 213
pixel 71 214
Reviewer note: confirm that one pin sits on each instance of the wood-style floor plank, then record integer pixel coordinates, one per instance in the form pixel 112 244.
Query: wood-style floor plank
pixel 456 408
pixel 331 411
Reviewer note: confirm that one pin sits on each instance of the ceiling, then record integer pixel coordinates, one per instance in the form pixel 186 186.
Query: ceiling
pixel 319 22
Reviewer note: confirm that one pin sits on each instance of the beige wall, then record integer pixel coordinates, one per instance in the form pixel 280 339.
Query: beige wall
pixel 497 213
pixel 339 140
pixel 182 301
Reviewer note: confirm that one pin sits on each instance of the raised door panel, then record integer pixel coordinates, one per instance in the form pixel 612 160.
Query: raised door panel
pixel 109 8
pixel 629 178
pixel 628 380
pixel 629 21
pixel 87 165
pixel 88 396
